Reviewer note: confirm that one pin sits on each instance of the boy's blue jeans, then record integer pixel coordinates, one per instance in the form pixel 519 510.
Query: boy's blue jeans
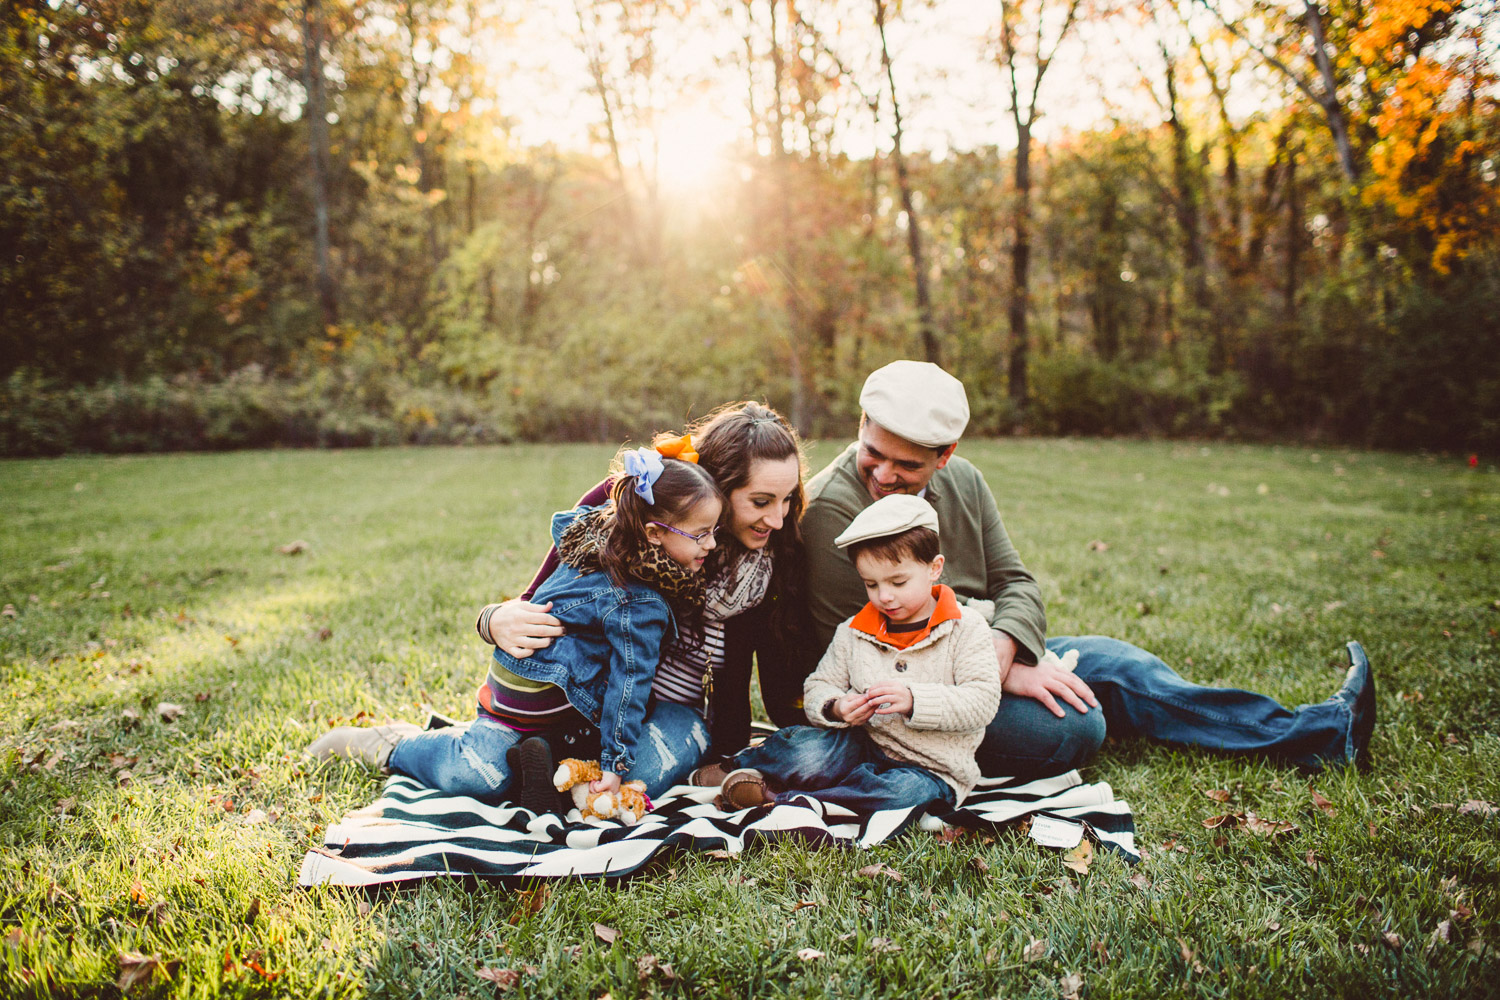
pixel 841 766
pixel 470 760
pixel 1141 696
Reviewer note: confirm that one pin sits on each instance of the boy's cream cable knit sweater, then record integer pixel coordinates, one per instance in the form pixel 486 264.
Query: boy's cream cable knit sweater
pixel 955 689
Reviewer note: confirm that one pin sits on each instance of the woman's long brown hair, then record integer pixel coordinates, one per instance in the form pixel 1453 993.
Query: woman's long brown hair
pixel 729 441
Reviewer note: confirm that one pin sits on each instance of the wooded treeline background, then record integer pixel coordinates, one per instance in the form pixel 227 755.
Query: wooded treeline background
pixel 1286 225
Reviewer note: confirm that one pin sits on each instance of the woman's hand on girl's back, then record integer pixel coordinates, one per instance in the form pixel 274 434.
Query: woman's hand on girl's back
pixel 521 628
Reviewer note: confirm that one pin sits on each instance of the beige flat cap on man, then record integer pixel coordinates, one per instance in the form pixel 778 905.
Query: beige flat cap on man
pixel 918 401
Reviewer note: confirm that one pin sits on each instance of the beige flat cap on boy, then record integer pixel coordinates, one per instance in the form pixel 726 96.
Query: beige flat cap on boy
pixel 918 401
pixel 888 516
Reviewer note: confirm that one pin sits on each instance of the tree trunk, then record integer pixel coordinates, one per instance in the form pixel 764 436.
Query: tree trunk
pixel 316 112
pixel 1020 268
pixel 601 90
pixel 1185 203
pixel 1330 97
pixel 908 204
pixel 794 311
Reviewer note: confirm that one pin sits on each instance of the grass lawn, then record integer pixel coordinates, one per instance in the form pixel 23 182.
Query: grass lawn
pixel 130 582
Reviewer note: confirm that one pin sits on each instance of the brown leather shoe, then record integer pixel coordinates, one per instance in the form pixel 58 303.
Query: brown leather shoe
pixel 708 776
pixel 743 789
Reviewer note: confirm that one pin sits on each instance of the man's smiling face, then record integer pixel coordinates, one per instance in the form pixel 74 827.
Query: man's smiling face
pixel 890 464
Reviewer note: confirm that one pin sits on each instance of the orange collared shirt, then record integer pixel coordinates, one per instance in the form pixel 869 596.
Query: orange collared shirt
pixel 873 623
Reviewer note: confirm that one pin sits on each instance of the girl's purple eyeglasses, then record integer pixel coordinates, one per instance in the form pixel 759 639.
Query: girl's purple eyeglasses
pixel 697 539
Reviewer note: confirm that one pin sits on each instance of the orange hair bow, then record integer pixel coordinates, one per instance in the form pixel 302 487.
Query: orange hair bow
pixel 681 449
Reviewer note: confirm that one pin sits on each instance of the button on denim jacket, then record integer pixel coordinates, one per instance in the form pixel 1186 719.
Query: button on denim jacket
pixel 607 657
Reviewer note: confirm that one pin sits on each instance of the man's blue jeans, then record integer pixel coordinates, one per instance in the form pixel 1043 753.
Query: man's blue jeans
pixel 1142 696
pixel 841 766
pixel 470 760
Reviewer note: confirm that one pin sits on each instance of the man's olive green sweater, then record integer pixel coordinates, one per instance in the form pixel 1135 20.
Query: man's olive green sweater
pixel 980 563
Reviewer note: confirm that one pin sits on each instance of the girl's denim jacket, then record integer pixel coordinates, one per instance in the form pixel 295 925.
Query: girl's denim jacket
pixel 605 660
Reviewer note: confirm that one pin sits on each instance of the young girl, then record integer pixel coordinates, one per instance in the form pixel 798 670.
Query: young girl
pixel 752 592
pixel 630 574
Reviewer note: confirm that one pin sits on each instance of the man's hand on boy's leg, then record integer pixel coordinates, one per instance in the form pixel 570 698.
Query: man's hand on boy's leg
pixel 1044 681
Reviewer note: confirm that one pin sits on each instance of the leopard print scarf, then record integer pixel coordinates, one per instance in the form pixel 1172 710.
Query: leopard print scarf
pixel 584 539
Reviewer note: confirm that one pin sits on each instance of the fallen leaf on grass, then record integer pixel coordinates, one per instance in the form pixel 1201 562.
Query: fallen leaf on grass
pixel 1034 951
pixel 1392 939
pixel 979 864
pixel 364 908
pixel 1080 857
pixel 1101 951
pixel 1218 794
pixel 606 934
pixel 1477 806
pixel 881 945
pixel 253 961
pixel 295 548
pixel 137 969
pixel 809 954
pixel 505 979
pixel 529 903
pixel 1442 932
pixel 168 711
pixel 254 817
pixel 130 717
pixel 1322 803
pixel 1269 827
pixel 803 904
pixel 647 966
pixel 1141 880
pixel 1228 819
pixel 252 911
pixel 1273 925
pixel 1098 545
pixel 719 855
pixel 1071 985
pixel 880 869
pixel 1412 696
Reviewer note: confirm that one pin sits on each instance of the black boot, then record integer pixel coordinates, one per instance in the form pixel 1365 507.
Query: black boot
pixel 531 764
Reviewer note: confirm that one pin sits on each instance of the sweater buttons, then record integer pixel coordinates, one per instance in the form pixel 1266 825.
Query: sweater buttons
pixel 901 665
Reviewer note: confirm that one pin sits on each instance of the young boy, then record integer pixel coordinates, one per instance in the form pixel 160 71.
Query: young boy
pixel 901 698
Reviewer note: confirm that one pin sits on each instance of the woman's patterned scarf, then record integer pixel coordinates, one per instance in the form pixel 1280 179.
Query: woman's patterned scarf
pixel 584 539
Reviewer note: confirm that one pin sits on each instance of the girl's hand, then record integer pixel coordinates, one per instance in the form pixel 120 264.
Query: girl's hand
pixel 890 698
pixel 854 708
pixel 610 782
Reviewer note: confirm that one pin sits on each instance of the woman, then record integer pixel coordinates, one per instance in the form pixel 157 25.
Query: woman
pixel 753 592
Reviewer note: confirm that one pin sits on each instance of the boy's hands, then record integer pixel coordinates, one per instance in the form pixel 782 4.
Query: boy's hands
pixel 858 708
pixel 890 698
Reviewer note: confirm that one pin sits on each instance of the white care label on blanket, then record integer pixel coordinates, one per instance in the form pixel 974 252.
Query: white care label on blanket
pixel 1051 832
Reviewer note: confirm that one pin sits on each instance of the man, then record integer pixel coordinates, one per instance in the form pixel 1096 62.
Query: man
pixel 914 414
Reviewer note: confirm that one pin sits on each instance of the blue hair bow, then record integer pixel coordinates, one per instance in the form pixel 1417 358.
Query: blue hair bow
pixel 646 466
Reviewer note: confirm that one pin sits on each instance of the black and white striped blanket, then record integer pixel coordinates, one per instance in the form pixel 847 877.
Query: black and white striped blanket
pixel 415 832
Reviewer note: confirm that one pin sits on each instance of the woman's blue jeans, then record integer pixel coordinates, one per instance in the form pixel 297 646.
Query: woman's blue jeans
pixel 841 766
pixel 1141 696
pixel 470 760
